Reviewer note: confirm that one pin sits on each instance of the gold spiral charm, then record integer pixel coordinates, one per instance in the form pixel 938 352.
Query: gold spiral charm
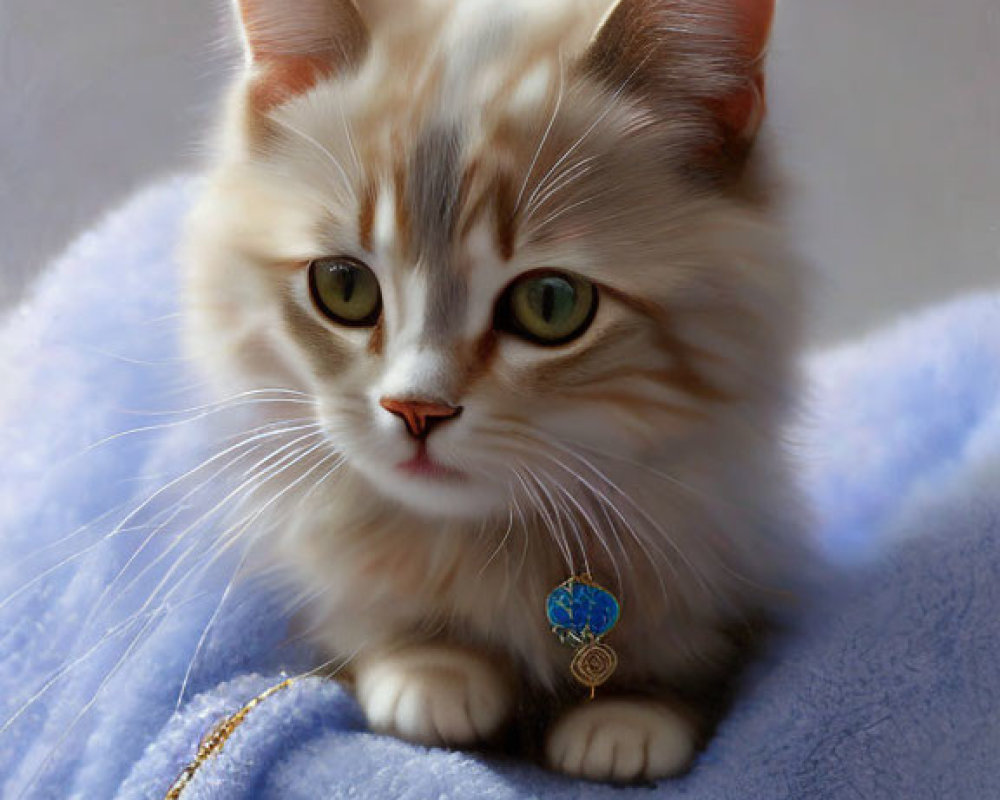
pixel 593 664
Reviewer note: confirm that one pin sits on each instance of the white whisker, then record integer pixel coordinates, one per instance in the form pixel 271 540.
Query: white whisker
pixel 544 517
pixel 596 530
pixel 138 551
pixel 326 153
pixel 207 629
pixel 499 547
pixel 572 148
pixel 556 526
pixel 68 666
pixel 68 729
pixel 679 552
pixel 545 135
pixel 276 395
pixel 561 212
pixel 566 178
pixel 255 481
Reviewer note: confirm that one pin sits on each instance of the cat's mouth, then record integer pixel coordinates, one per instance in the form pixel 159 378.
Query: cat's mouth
pixel 423 466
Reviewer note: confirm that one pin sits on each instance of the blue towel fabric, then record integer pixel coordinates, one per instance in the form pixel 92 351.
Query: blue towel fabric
pixel 122 642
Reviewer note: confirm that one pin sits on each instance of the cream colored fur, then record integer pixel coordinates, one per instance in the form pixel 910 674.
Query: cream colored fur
pixel 604 455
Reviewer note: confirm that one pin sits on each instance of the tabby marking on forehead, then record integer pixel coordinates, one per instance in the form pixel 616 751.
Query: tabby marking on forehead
pixel 366 216
pixel 486 190
pixel 403 230
pixel 432 192
pixel 505 216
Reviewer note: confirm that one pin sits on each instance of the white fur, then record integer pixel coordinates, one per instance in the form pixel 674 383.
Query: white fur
pixel 621 741
pixel 434 695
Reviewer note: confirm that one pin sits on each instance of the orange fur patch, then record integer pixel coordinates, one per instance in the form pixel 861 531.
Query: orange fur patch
pixel 366 216
pixel 506 216
pixel 376 342
pixel 280 79
pixel 480 359
pixel 403 217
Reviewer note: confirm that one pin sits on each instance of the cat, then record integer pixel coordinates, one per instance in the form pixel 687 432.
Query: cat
pixel 518 262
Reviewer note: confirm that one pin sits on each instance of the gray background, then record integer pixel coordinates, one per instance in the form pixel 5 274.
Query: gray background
pixel 887 113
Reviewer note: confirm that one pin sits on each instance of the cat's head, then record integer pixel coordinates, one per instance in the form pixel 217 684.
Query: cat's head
pixel 491 237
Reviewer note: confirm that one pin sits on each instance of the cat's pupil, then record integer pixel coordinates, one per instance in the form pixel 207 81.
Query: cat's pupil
pixel 347 282
pixel 548 302
pixel 553 299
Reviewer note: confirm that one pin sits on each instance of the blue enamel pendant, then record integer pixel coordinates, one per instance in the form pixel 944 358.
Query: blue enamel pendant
pixel 580 613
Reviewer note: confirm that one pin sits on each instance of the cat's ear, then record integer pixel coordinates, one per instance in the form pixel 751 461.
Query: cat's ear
pixel 703 56
pixel 292 44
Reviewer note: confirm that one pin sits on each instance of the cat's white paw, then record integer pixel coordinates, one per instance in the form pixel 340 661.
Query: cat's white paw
pixel 434 695
pixel 621 741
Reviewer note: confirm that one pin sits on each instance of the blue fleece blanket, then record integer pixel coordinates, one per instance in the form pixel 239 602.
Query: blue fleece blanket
pixel 122 644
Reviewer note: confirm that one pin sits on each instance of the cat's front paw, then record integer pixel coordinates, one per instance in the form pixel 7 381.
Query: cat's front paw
pixel 434 695
pixel 622 741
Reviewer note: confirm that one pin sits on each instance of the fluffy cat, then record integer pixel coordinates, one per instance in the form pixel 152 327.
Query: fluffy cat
pixel 515 263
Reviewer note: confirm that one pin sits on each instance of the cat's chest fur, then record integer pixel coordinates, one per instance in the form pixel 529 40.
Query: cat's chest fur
pixel 380 578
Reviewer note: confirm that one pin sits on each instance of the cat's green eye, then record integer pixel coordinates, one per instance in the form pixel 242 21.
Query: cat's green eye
pixel 346 291
pixel 547 308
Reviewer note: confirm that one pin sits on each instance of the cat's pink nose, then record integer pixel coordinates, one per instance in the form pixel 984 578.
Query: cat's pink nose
pixel 420 416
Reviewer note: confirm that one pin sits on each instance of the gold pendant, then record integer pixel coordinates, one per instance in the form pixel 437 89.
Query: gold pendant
pixel 593 664
pixel 581 613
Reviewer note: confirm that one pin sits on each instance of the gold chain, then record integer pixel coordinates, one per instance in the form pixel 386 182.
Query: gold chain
pixel 214 740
